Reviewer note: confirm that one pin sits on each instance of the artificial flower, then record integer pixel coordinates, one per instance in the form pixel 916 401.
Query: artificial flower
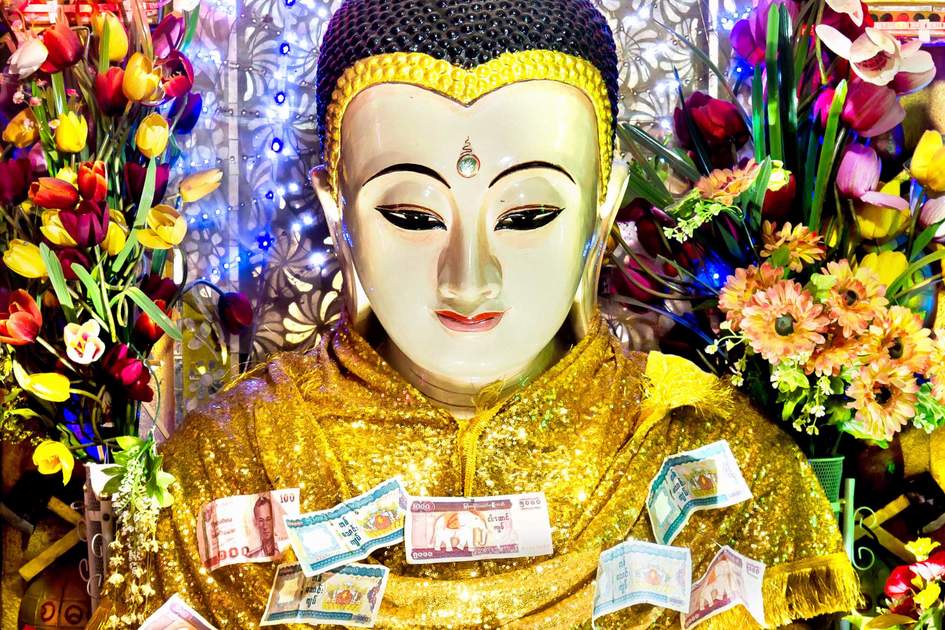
pixel 782 186
pixel 236 313
pixel 109 94
pixel 830 358
pixel 68 174
pixel 146 331
pixel 117 36
pixel 852 8
pixel 883 396
pixel 803 246
pixel 21 131
pixel 54 231
pixel 117 234
pixel 718 122
pixel 165 228
pixel 870 109
pixel 742 285
pixel 151 136
pixel 928 597
pixel 198 185
pixel 178 74
pixel 134 180
pixel 140 81
pixel 783 322
pixel 27 58
pixel 884 213
pixel 158 287
pixel 93 185
pixel 928 162
pixel 888 265
pixel 936 371
pixel 933 212
pixel 23 257
pixel 82 342
pixel 168 35
pixel 69 256
pixel 878 58
pixel 931 568
pixel 71 133
pixel 128 372
pixel 87 223
pixel 185 5
pixel 898 336
pixel 725 185
pixel 20 317
pixel 858 172
pixel 50 386
pixel 53 193
pixel 899 582
pixel 63 46
pixel 50 457
pixel 14 180
pixel 185 111
pixel 856 297
pixel 749 35
pixel 922 548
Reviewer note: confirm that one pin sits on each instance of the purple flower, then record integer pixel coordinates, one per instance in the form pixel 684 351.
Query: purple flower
pixel 87 223
pixel 749 36
pixel 134 179
pixel 189 105
pixel 858 172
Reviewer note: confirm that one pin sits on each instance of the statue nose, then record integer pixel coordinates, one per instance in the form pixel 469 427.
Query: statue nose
pixel 468 273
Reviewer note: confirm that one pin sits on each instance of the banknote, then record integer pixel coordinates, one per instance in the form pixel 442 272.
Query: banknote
pixel 638 572
pixel 245 527
pixel 702 479
pixel 175 614
pixel 349 531
pixel 449 529
pixel 730 579
pixel 348 596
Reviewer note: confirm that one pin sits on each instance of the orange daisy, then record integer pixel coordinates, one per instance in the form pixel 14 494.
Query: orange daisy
pixel 884 397
pixel 936 371
pixel 740 288
pixel 725 185
pixel 830 359
pixel 804 246
pixel 784 322
pixel 898 335
pixel 855 299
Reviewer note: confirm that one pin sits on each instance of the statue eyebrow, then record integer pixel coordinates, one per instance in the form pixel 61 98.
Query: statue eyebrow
pixel 413 168
pixel 526 165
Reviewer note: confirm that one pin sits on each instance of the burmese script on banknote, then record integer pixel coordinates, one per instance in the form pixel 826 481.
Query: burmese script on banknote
pixel 451 529
pixel 639 572
pixel 702 479
pixel 730 579
pixel 347 596
pixel 245 528
pixel 349 531
pixel 175 614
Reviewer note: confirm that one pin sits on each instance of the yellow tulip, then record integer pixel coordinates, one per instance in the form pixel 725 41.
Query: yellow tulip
pixel 151 137
pixel 117 37
pixel 23 257
pixel 51 457
pixel 878 221
pixel 929 595
pixel 199 185
pixel 68 174
pixel 117 233
pixel 50 386
pixel 141 81
pixel 54 231
pixel 928 162
pixel 71 132
pixel 21 131
pixel 888 265
pixel 166 228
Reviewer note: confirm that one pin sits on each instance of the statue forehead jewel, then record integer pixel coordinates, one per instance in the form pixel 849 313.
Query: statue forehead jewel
pixel 463 50
pixel 468 163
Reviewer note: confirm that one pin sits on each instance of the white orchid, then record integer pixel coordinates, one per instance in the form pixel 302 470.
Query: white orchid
pixel 879 58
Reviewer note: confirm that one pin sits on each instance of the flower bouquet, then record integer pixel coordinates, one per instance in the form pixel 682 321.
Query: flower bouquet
pixel 913 592
pixel 790 234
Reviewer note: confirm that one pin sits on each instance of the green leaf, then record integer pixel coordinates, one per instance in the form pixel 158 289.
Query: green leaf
pixel 58 92
pixel 820 284
pixel 156 314
pixel 103 48
pixel 758 114
pixel 57 280
pixel 780 257
pixel 144 204
pixel 128 442
pixel 788 85
pixel 911 270
pixel 91 289
pixel 774 87
pixel 924 238
pixel 759 191
pixel 654 184
pixel 111 486
pixel 684 167
pixel 827 152
pixel 703 157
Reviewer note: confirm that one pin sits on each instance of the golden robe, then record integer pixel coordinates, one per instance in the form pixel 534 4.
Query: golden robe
pixel 591 432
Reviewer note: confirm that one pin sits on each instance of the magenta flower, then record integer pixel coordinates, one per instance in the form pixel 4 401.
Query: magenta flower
pixel 134 180
pixel 749 35
pixel 87 223
pixel 870 110
pixel 178 75
pixel 167 35
pixel 858 172
pixel 128 372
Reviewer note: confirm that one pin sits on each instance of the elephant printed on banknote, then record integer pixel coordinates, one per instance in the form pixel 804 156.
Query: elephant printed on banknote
pixel 467 528
pixel 724 583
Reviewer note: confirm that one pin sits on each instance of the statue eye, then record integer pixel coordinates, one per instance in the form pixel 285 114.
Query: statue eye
pixel 528 218
pixel 411 217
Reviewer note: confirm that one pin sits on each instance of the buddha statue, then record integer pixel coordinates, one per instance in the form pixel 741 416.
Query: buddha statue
pixel 469 180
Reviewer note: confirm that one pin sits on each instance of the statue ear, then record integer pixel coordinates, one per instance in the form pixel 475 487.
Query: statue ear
pixel 355 299
pixel 585 300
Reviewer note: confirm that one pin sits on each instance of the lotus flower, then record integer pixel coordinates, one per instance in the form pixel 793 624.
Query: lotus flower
pixel 878 58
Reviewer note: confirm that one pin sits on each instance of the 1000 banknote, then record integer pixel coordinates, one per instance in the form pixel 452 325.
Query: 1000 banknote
pixel 639 572
pixel 450 529
pixel 730 579
pixel 245 528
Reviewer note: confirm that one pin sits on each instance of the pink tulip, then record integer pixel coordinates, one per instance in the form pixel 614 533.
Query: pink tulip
pixel 933 211
pixel 871 110
pixel 858 172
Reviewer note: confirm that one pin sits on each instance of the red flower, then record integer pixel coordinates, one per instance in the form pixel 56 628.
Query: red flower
pixel 20 317
pixel 14 180
pixel 905 606
pixel 178 75
pixel 157 287
pixel 778 203
pixel 87 224
pixel 92 183
pixel 718 122
pixel 108 93
pixel 931 569
pixel 134 179
pixel 63 45
pixel 146 331
pixel 236 313
pixel 53 194
pixel 128 372
pixel 899 582
pixel 68 256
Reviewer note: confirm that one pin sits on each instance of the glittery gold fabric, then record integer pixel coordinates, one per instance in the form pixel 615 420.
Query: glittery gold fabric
pixel 590 432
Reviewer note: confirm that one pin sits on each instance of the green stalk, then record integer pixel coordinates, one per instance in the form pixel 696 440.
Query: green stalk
pixel 758 115
pixel 825 165
pixel 788 89
pixel 59 92
pixel 773 86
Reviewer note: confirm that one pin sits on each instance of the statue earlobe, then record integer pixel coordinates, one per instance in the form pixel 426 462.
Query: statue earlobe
pixel 584 308
pixel 355 299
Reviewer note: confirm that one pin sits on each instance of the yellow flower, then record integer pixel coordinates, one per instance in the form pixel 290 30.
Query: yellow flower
pixel 928 162
pixel 922 548
pixel 855 299
pixel 166 228
pixel 117 37
pixel 23 257
pixel 54 231
pixel 71 132
pixel 151 137
pixel 117 233
pixel 725 185
pixel 50 457
pixel 21 131
pixel 888 265
pixel 898 335
pixel 68 174
pixel 803 246
pixel 884 397
pixel 50 386
pixel 141 81
pixel 879 221
pixel 929 595
pixel 199 185
pixel 740 287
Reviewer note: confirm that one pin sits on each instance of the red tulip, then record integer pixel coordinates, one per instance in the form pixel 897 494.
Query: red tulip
pixel 63 45
pixel 134 179
pixel 129 373
pixel 71 255
pixel 899 582
pixel 53 194
pixel 236 313
pixel 20 317
pixel 15 180
pixel 778 203
pixel 157 287
pixel 146 331
pixel 178 75
pixel 93 186
pixel 718 122
pixel 905 606
pixel 87 224
pixel 108 93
